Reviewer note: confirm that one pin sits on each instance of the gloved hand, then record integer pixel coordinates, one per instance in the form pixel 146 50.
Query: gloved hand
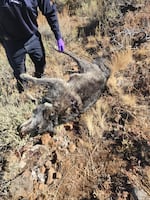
pixel 60 44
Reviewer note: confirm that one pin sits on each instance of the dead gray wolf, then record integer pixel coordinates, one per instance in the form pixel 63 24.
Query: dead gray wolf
pixel 66 100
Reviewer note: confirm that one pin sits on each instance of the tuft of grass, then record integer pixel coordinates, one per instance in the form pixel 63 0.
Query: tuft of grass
pixel 129 100
pixel 68 27
pixel 96 118
pixel 120 61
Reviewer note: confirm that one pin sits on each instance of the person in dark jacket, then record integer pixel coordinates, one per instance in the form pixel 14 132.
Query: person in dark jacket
pixel 19 34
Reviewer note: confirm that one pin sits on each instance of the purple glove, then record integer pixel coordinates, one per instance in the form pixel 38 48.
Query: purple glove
pixel 60 44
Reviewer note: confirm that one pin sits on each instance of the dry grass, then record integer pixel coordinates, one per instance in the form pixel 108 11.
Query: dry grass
pixel 120 61
pixel 96 118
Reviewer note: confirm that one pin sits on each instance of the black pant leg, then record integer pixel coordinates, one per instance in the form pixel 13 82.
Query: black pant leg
pixel 16 56
pixel 36 51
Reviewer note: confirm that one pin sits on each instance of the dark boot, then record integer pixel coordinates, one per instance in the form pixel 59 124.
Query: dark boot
pixel 21 85
pixel 38 74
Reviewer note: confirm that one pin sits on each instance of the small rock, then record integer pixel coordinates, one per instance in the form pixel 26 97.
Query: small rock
pixel 34 176
pixel 47 140
pixel 22 164
pixel 35 156
pixel 141 194
pixel 41 177
pixel 72 148
pixel 42 187
pixel 51 172
pixel 84 144
pixel 58 175
pixel 48 164
pixel 42 169
pixel 22 185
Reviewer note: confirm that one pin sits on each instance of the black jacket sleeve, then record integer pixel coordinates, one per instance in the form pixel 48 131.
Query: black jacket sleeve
pixel 48 8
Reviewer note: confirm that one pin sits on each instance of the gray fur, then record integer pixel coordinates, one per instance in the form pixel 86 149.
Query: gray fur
pixel 66 100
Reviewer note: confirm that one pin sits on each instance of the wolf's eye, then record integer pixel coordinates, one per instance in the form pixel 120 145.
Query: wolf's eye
pixel 34 111
pixel 52 114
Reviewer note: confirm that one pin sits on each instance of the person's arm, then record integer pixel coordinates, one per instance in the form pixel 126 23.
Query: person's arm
pixel 48 8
